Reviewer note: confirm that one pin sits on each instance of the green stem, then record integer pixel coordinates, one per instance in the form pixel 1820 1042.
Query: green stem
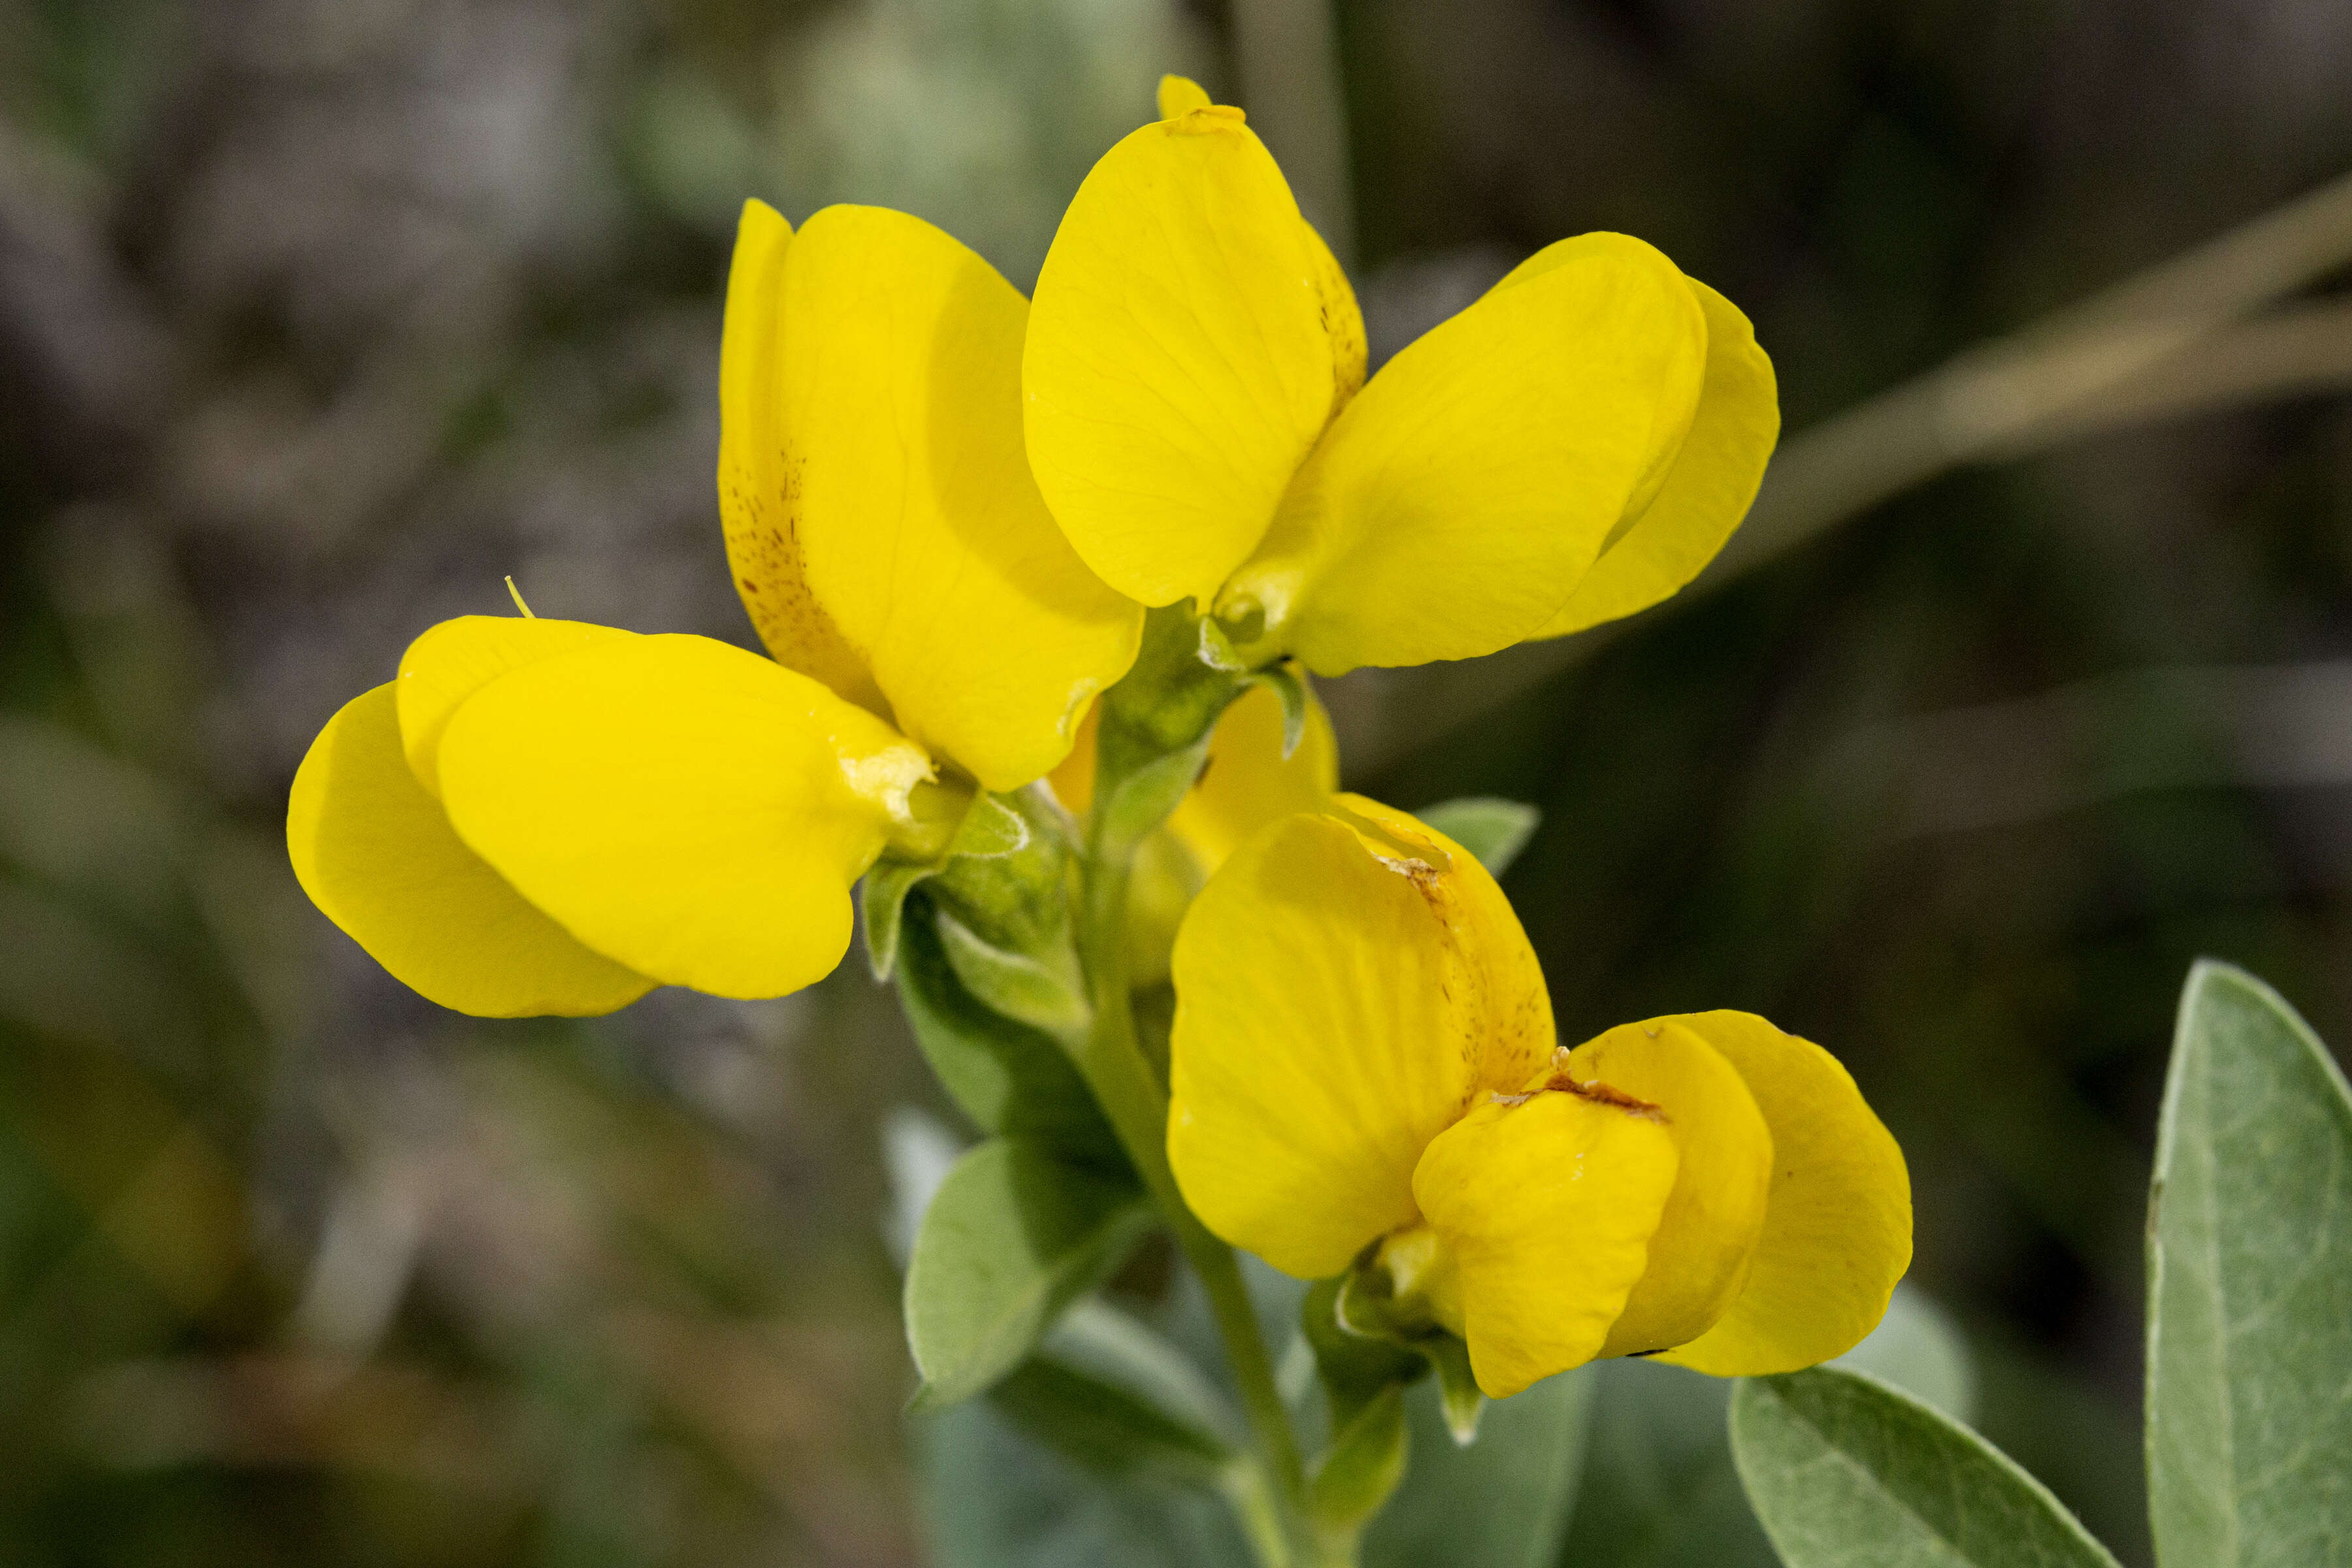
pixel 1137 1104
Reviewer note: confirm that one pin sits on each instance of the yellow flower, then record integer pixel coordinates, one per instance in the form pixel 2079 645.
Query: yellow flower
pixel 545 816
pixel 1572 448
pixel 1363 1057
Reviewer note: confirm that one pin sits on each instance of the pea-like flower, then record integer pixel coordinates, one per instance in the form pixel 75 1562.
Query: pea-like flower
pixel 547 816
pixel 1570 448
pixel 1365 1073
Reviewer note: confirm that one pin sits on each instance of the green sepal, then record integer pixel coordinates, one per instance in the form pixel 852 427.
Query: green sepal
pixel 1143 799
pixel 882 904
pixel 1045 992
pixel 1457 1390
pixel 1365 1306
pixel 1288 683
pixel 991 827
pixel 1493 830
pixel 1363 1381
pixel 994 826
pixel 1153 727
pixel 1355 1368
pixel 1014 1236
pixel 1003 900
pixel 1007 1076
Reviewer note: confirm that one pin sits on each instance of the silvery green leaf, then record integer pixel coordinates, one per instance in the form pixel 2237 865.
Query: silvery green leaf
pixel 1847 1472
pixel 2250 1289
pixel 1012 1237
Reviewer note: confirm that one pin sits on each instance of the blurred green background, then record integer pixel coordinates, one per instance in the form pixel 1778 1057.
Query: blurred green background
pixel 319 316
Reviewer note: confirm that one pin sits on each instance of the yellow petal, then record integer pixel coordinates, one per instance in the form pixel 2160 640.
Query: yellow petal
pixel 457 657
pixel 1458 501
pixel 1248 781
pixel 1545 1206
pixel 694 811
pixel 1699 1257
pixel 376 854
pixel 1345 986
pixel 1837 1223
pixel 1180 364
pixel 1706 492
pixel 757 497
pixel 921 532
pixel 1180 95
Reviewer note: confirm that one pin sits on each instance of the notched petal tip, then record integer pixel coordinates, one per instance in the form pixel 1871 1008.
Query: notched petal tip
pixel 1180 95
pixel 1206 119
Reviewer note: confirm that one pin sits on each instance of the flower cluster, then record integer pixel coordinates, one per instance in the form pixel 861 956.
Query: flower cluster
pixel 958 519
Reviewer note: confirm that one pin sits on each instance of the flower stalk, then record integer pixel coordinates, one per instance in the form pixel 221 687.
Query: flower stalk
pixel 1154 735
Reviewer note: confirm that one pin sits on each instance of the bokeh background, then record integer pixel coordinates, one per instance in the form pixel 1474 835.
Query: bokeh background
pixel 2031 680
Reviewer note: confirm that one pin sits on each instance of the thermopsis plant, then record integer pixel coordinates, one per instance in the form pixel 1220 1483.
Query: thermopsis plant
pixel 1024 568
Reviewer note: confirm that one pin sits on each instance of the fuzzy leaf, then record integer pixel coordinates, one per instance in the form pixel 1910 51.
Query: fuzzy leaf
pixel 2250 1289
pixel 1012 1237
pixel 1846 1472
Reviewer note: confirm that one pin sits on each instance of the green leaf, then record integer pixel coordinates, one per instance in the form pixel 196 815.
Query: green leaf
pixel 1010 1078
pixel 1494 830
pixel 1013 1236
pixel 1502 1502
pixel 1355 1369
pixel 2250 1289
pixel 1845 1472
pixel 1105 1426
pixel 1117 1350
